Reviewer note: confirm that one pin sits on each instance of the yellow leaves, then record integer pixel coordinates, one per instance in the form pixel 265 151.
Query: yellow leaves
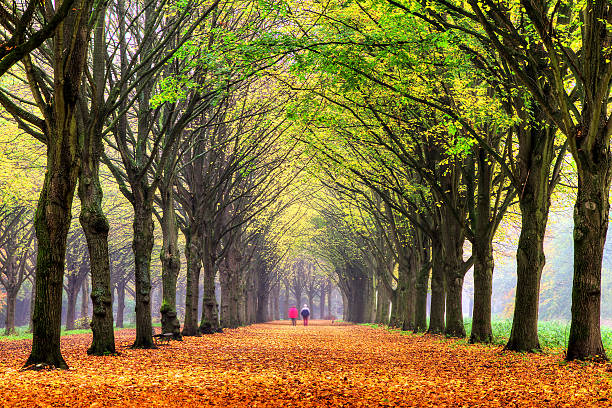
pixel 277 365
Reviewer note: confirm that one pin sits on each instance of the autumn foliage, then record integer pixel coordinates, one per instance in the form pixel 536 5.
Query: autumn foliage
pixel 276 364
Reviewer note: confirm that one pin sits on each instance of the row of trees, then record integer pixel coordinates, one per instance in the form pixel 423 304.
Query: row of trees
pixel 423 124
pixel 431 120
pixel 164 99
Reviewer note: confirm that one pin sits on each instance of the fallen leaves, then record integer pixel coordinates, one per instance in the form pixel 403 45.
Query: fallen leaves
pixel 319 365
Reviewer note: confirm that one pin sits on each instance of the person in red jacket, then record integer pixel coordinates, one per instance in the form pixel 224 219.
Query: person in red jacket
pixel 293 314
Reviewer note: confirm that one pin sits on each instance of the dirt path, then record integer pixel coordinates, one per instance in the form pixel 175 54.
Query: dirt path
pixel 320 365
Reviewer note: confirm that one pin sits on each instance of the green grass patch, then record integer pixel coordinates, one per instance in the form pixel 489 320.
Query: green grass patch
pixel 23 334
pixel 553 334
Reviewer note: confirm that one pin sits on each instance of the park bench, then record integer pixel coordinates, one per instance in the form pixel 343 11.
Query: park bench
pixel 163 338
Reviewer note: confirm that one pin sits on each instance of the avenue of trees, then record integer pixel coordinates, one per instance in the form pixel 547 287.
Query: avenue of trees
pixel 244 156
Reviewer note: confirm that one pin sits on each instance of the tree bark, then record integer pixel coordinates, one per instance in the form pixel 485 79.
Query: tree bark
pixel 590 228
pixel 382 312
pixel 262 308
pixel 438 290
pixel 275 301
pixel 32 305
pixel 142 245
pixel 209 322
pixel 329 297
pixel 535 158
pixel 263 295
pixel 422 282
pixel 452 239
pixel 224 280
pixel 482 251
pixel 11 301
pixel 322 302
pixel 398 315
pixel 72 293
pixel 120 303
pixel 410 302
pixel 52 222
pixel 482 331
pixel 92 218
pixel 285 304
pixel 311 303
pixel 193 242
pixel 171 262
pixel 54 211
pixel 454 310
pixel 251 298
pixel 84 299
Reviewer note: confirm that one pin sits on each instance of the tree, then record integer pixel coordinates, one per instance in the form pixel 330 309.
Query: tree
pixel 569 43
pixel 17 249
pixel 58 130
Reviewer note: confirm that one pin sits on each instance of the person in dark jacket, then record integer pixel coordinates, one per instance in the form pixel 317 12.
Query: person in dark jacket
pixel 305 312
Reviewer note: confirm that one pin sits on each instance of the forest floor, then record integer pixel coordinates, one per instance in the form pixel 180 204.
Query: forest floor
pixel 276 364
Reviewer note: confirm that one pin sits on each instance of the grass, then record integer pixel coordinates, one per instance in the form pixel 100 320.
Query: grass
pixel 553 334
pixel 23 334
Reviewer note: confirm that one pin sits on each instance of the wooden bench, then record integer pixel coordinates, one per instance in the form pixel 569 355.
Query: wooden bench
pixel 163 338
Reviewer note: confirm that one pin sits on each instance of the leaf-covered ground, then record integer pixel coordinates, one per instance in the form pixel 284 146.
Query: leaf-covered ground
pixel 320 365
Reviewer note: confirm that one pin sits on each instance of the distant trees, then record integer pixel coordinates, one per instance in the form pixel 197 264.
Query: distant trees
pixel 17 254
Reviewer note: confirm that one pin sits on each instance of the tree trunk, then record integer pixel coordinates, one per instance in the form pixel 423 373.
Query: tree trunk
pixel 482 251
pixel 322 302
pixel 142 245
pixel 72 293
pixel 285 304
pixel 298 298
pixel 410 301
pixel 96 229
pixel 329 297
pixel 235 286
pixel 241 302
pixel 84 299
pixel 382 312
pixel 452 240
pixel 32 305
pixel 379 303
pixel 92 218
pixel 194 264
pixel 482 331
pixel 263 295
pixel 261 315
pixel 120 303
pixel 54 211
pixel 210 318
pixel 224 280
pixel 171 263
pixel 454 310
pixel 398 314
pixel 52 222
pixel 590 228
pixel 359 299
pixel 11 301
pixel 311 303
pixel 438 290
pixel 422 282
pixel 535 153
pixel 275 301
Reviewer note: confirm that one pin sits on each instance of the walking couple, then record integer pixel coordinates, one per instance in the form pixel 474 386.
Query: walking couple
pixel 305 313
